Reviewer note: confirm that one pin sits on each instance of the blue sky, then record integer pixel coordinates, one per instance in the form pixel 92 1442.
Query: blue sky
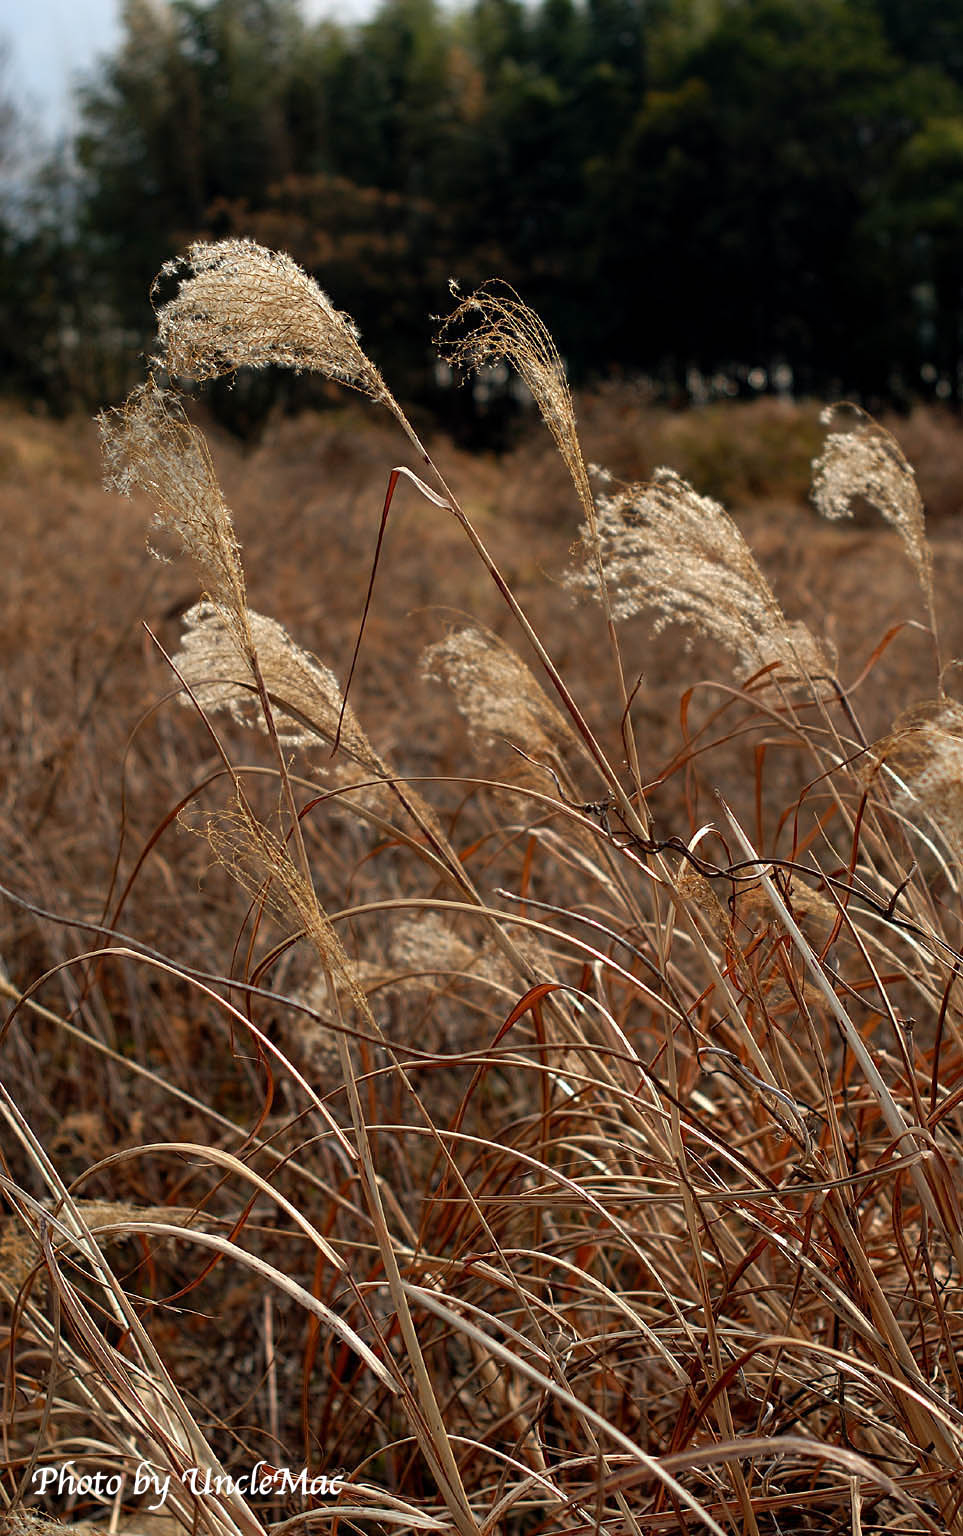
pixel 49 42
pixel 52 42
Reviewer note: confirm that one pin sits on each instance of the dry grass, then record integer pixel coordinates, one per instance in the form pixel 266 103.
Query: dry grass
pixel 501 1117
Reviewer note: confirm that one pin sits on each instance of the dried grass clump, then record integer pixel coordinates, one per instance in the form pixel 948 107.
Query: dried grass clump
pixel 924 753
pixel 426 945
pixel 664 547
pixel 149 445
pixel 495 692
pixel 247 307
pixel 867 463
pixel 668 1239
pixel 315 1038
pixel 305 697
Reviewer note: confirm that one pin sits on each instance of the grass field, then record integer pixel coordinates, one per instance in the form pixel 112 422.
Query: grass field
pixel 522 1132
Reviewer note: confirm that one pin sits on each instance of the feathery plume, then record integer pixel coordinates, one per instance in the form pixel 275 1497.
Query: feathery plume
pixel 262 865
pixel 305 693
pixel 868 462
pixel 427 946
pixel 924 751
pixel 305 698
pixel 494 690
pixel 664 547
pixel 503 328
pixel 244 306
pixel 149 444
pixel 315 1038
pixel 102 1212
pixel 428 943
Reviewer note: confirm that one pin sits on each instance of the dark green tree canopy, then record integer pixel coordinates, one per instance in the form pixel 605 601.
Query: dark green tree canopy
pixel 674 184
pixel 755 176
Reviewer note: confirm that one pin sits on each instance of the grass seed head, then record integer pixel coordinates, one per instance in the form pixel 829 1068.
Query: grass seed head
pixel 306 693
pixel 867 462
pixel 494 325
pixel 664 547
pixel 316 1037
pixel 243 306
pixel 426 951
pixel 261 863
pixel 149 445
pixel 494 690
pixel 427 943
pixel 427 947
pixel 305 696
pixel 925 753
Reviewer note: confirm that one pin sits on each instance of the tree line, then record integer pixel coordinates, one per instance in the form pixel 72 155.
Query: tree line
pixel 745 190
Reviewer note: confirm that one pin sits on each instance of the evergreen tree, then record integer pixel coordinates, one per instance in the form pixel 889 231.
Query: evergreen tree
pixel 744 197
pixel 717 183
pixel 201 102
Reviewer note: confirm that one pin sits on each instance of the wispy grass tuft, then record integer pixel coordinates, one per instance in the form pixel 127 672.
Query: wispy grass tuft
pixel 150 445
pixel 242 306
pixel 664 548
pixel 865 462
pixel 493 325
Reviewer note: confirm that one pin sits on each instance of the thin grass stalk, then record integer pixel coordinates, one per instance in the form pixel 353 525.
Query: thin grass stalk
pixel 575 714
pixel 434 1440
pixel 931 1432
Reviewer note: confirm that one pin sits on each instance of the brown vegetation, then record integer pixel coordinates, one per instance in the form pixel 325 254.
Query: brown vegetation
pixel 550 1175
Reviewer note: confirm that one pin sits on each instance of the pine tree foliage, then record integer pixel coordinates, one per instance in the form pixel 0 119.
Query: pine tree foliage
pixel 761 183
